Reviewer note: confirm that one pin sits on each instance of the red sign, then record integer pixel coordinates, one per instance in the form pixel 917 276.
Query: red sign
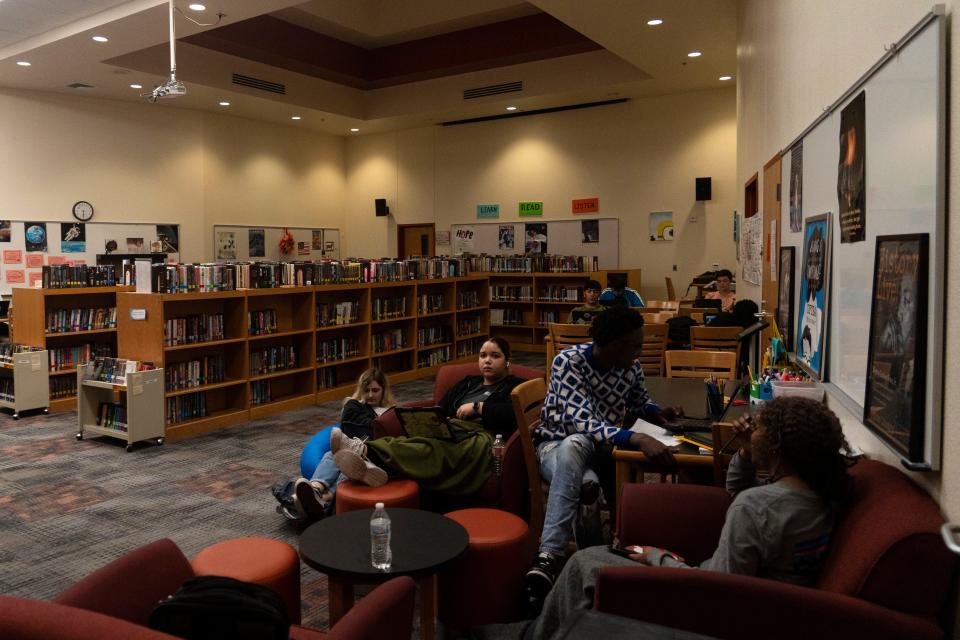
pixel 35 277
pixel 586 205
pixel 34 260
pixel 56 260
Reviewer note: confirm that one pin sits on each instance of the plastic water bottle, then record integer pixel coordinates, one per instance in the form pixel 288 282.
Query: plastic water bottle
pixel 380 555
pixel 498 448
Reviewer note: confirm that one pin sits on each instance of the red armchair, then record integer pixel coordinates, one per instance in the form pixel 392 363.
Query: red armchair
pixel 886 577
pixel 509 492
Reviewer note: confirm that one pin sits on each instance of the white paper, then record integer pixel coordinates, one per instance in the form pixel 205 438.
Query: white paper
pixel 656 432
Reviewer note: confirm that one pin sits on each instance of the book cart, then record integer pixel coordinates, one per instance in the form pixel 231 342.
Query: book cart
pixel 24 381
pixel 128 407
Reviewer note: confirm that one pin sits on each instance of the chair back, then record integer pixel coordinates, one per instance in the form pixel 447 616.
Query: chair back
pixel 715 338
pixel 23 619
pixel 528 399
pixel 663 305
pixel 563 336
pixel 701 364
pixel 451 374
pixel 654 346
pixel 671 292
pixel 659 317
pixel 386 613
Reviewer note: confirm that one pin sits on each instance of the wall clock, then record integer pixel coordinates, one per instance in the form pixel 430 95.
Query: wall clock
pixel 83 211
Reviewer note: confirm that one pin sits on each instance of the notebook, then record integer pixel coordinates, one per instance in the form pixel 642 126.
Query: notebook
pixel 424 422
pixel 685 424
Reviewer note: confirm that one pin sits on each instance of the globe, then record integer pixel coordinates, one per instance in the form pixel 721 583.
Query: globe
pixel 35 234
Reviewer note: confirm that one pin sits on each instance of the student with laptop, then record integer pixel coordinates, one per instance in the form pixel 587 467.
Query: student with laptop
pixel 591 305
pixel 456 459
pixel 724 293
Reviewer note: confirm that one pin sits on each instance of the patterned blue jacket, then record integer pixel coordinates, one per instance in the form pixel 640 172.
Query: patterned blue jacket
pixel 583 398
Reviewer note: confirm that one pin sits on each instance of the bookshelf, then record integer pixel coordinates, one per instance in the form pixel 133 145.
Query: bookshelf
pixel 72 346
pixel 130 410
pixel 24 382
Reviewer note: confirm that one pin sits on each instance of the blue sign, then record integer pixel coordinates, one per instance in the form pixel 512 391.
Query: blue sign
pixel 488 210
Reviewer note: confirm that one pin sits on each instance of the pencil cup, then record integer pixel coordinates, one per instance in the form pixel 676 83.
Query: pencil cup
pixel 755 393
pixel 714 404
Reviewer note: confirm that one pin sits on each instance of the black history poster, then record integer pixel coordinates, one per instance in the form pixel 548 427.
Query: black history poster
pixel 796 188
pixel 851 174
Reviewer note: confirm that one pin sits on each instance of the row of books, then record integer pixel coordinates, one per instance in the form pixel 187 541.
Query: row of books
pixel 533 264
pixel 63 276
pixel 6 389
pixel 506 316
pixel 192 278
pixel 194 328
pixel 469 347
pixel 386 308
pixel 327 378
pixel 389 340
pixel 67 320
pixel 112 416
pixel 66 358
pixel 336 313
pixel 63 386
pixel 115 370
pixel 262 322
pixel 560 293
pixel 261 392
pixel 433 335
pixel 8 349
pixel 468 299
pixel 193 373
pixel 337 349
pixel 430 303
pixel 433 357
pixel 272 359
pixel 468 326
pixel 511 293
pixel 189 406
pixel 546 317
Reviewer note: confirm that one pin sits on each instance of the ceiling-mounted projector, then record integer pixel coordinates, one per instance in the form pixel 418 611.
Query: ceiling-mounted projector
pixel 172 88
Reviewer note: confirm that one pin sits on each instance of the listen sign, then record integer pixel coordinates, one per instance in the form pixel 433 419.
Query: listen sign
pixel 531 208
pixel 586 205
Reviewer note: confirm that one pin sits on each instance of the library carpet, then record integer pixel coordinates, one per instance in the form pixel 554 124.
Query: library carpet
pixel 68 507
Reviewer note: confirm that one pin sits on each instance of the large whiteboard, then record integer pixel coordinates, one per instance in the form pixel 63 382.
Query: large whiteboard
pixel 309 244
pixel 905 193
pixel 564 237
pixel 96 236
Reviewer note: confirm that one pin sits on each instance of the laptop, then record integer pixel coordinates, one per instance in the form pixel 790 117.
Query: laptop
pixel 424 422
pixel 684 424
pixel 704 303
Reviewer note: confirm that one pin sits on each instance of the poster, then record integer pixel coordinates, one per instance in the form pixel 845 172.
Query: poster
pixel 34 260
pixel 156 246
pixel 303 248
pixel 463 240
pixel 796 188
pixel 16 276
pixel 535 237
pixel 134 245
pixel 785 296
pixel 256 243
pixel 317 243
pixel 73 237
pixel 771 244
pixel 505 240
pixel 169 235
pixel 330 245
pixel 35 236
pixel 751 249
pixel 35 278
pixel 110 246
pixel 814 295
pixel 851 178
pixel 443 237
pixel 896 361
pixel 5 227
pixel 226 245
pixel 12 256
pixel 661 226
pixel 590 230
pixel 52 260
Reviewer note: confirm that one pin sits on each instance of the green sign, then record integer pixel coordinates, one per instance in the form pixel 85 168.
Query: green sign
pixel 531 208
pixel 488 210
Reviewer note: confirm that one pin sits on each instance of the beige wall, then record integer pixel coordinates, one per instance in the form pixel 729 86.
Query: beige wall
pixel 149 163
pixel 636 157
pixel 794 59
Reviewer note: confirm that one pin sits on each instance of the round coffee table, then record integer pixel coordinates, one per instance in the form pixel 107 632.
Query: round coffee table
pixel 422 543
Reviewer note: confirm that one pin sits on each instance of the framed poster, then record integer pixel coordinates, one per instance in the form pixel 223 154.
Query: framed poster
pixel 811 336
pixel 785 296
pixel 896 358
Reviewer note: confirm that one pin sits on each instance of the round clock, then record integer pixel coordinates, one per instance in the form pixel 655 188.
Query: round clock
pixel 83 211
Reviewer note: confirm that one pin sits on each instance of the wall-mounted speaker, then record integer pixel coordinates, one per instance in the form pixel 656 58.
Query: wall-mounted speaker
pixel 704 188
pixel 380 204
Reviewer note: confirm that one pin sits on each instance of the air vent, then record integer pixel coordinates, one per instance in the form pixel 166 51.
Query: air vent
pixel 493 90
pixel 80 85
pixel 257 83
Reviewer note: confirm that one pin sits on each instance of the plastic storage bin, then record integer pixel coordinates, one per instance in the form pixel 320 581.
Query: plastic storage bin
pixel 811 390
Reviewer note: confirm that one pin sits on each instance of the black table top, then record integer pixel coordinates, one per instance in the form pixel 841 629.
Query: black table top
pixel 690 394
pixel 422 543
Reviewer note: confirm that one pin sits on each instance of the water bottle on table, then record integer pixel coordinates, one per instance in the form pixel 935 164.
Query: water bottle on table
pixel 498 449
pixel 380 555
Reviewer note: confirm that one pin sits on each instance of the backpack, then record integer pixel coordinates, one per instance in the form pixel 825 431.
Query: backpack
pixel 285 493
pixel 678 331
pixel 215 608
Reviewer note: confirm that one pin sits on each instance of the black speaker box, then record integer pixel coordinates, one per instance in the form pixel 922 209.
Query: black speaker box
pixel 381 207
pixel 704 188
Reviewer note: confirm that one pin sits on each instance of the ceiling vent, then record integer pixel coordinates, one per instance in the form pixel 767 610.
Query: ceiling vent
pixel 493 90
pixel 257 83
pixel 80 85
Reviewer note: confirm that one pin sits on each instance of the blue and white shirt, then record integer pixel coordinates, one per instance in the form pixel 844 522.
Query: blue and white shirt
pixel 583 398
pixel 631 297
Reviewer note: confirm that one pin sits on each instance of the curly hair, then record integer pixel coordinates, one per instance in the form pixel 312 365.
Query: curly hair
pixel 810 439
pixel 613 324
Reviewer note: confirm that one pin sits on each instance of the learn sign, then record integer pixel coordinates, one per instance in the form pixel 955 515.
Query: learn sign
pixel 530 208
pixel 488 210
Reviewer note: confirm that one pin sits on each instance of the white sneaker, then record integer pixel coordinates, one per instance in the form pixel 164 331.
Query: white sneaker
pixel 341 441
pixel 356 467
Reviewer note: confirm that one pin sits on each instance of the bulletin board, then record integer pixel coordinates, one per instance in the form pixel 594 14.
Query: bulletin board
pixel 905 158
pixel 60 242
pixel 564 237
pixel 261 243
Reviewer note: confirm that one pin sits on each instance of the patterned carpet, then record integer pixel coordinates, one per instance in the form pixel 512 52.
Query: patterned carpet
pixel 68 507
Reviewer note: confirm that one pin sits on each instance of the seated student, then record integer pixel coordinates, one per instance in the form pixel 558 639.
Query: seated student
pixel 591 306
pixel 618 294
pixel 723 292
pixel 478 407
pixel 779 529
pixel 371 398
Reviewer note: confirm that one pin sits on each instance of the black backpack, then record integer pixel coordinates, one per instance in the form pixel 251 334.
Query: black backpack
pixel 678 331
pixel 218 608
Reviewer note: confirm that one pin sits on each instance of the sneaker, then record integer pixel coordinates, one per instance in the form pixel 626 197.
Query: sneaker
pixel 313 496
pixel 542 575
pixel 356 467
pixel 339 441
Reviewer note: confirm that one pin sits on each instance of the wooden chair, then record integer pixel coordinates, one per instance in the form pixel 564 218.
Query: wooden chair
pixel 654 346
pixel 663 305
pixel 528 398
pixel 701 364
pixel 659 317
pixel 562 336
pixel 671 292
pixel 715 338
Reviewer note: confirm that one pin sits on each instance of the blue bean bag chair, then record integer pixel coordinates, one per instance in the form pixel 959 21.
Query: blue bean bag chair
pixel 315 449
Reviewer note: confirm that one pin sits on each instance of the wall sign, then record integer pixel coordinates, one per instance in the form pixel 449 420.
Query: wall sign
pixel 530 208
pixel 586 205
pixel 488 210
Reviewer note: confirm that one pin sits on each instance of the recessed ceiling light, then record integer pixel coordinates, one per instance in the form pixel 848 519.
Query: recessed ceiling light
pixel 725 77
pixel 694 54
pixel 136 86
pixel 196 6
pixel 294 117
pixel 224 103
pixel 354 129
pixel 101 39
pixel 511 108
pixel 655 22
pixel 23 63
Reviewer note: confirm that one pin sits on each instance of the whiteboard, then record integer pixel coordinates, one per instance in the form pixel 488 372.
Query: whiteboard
pixel 905 193
pixel 129 238
pixel 232 242
pixel 564 237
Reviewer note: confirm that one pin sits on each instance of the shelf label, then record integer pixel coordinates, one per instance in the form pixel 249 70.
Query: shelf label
pixel 138 314
pixel 530 208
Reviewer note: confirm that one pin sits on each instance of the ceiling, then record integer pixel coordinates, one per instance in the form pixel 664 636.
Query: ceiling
pixel 374 65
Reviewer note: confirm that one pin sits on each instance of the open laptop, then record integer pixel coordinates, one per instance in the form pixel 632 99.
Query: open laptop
pixel 704 303
pixel 684 424
pixel 424 422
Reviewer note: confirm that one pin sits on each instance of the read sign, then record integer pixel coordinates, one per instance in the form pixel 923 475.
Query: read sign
pixel 530 208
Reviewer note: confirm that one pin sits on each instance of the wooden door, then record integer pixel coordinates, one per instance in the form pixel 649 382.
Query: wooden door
pixel 415 240
pixel 770 279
